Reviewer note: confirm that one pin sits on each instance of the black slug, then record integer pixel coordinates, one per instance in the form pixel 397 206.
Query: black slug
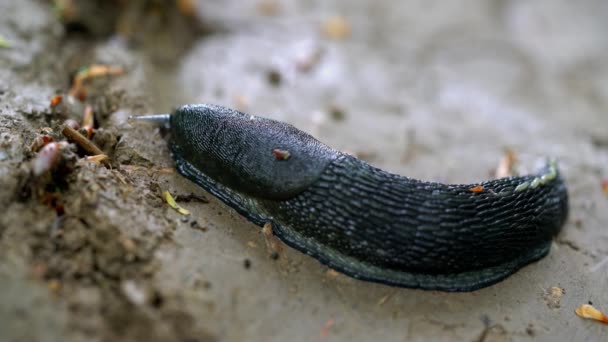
pixel 358 219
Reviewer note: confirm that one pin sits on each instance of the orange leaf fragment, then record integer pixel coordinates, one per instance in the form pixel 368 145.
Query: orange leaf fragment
pixel 281 154
pixel 95 70
pixel 478 188
pixel 589 312
pixel 336 27
pixel 605 186
pixel 56 100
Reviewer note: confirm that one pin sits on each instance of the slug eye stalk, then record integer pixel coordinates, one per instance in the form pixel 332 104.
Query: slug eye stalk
pixel 163 120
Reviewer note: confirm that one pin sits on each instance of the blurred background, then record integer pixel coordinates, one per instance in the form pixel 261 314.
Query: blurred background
pixel 436 90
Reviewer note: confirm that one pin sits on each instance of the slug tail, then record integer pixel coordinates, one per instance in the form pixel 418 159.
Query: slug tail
pixel 163 120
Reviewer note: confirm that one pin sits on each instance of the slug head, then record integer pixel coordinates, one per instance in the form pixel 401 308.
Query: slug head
pixel 260 157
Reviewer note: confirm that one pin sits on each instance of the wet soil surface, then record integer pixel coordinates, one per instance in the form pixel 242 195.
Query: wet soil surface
pixel 89 250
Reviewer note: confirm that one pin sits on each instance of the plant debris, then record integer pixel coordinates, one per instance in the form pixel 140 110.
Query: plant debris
pixel 56 100
pixel 186 7
pixel 97 158
pixel 478 188
pixel 336 27
pixel 385 298
pixel 87 73
pixel 82 141
pixel 281 154
pixel 173 204
pixel 325 329
pixel 506 166
pixel 589 312
pixel 4 43
pixel 553 296
pixel 88 121
pixel 272 243
pixel 268 7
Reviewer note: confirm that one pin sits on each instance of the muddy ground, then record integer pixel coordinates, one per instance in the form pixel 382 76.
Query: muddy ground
pixel 433 90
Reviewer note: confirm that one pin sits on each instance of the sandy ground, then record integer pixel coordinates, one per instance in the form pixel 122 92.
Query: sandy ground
pixel 429 89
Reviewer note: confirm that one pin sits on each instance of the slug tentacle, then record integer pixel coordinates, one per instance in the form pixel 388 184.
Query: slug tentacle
pixel 160 119
pixel 361 220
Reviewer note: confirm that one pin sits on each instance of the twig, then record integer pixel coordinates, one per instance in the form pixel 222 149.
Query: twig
pixel 82 141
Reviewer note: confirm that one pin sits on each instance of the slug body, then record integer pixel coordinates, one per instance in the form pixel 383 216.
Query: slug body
pixel 361 220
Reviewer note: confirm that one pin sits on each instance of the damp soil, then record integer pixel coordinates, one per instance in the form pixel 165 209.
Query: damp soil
pixel 87 231
pixel 89 250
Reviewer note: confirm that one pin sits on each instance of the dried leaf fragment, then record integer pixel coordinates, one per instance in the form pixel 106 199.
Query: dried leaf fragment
pixel 478 188
pixel 186 7
pixel 93 71
pixel 281 154
pixel 173 204
pixel 336 27
pixel 4 43
pixel 589 312
pixel 605 186
pixel 88 119
pixel 88 122
pixel 506 166
pixel 272 243
pixel 82 141
pixel 325 329
pixel 56 100
pixel 96 158
pixel 268 7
